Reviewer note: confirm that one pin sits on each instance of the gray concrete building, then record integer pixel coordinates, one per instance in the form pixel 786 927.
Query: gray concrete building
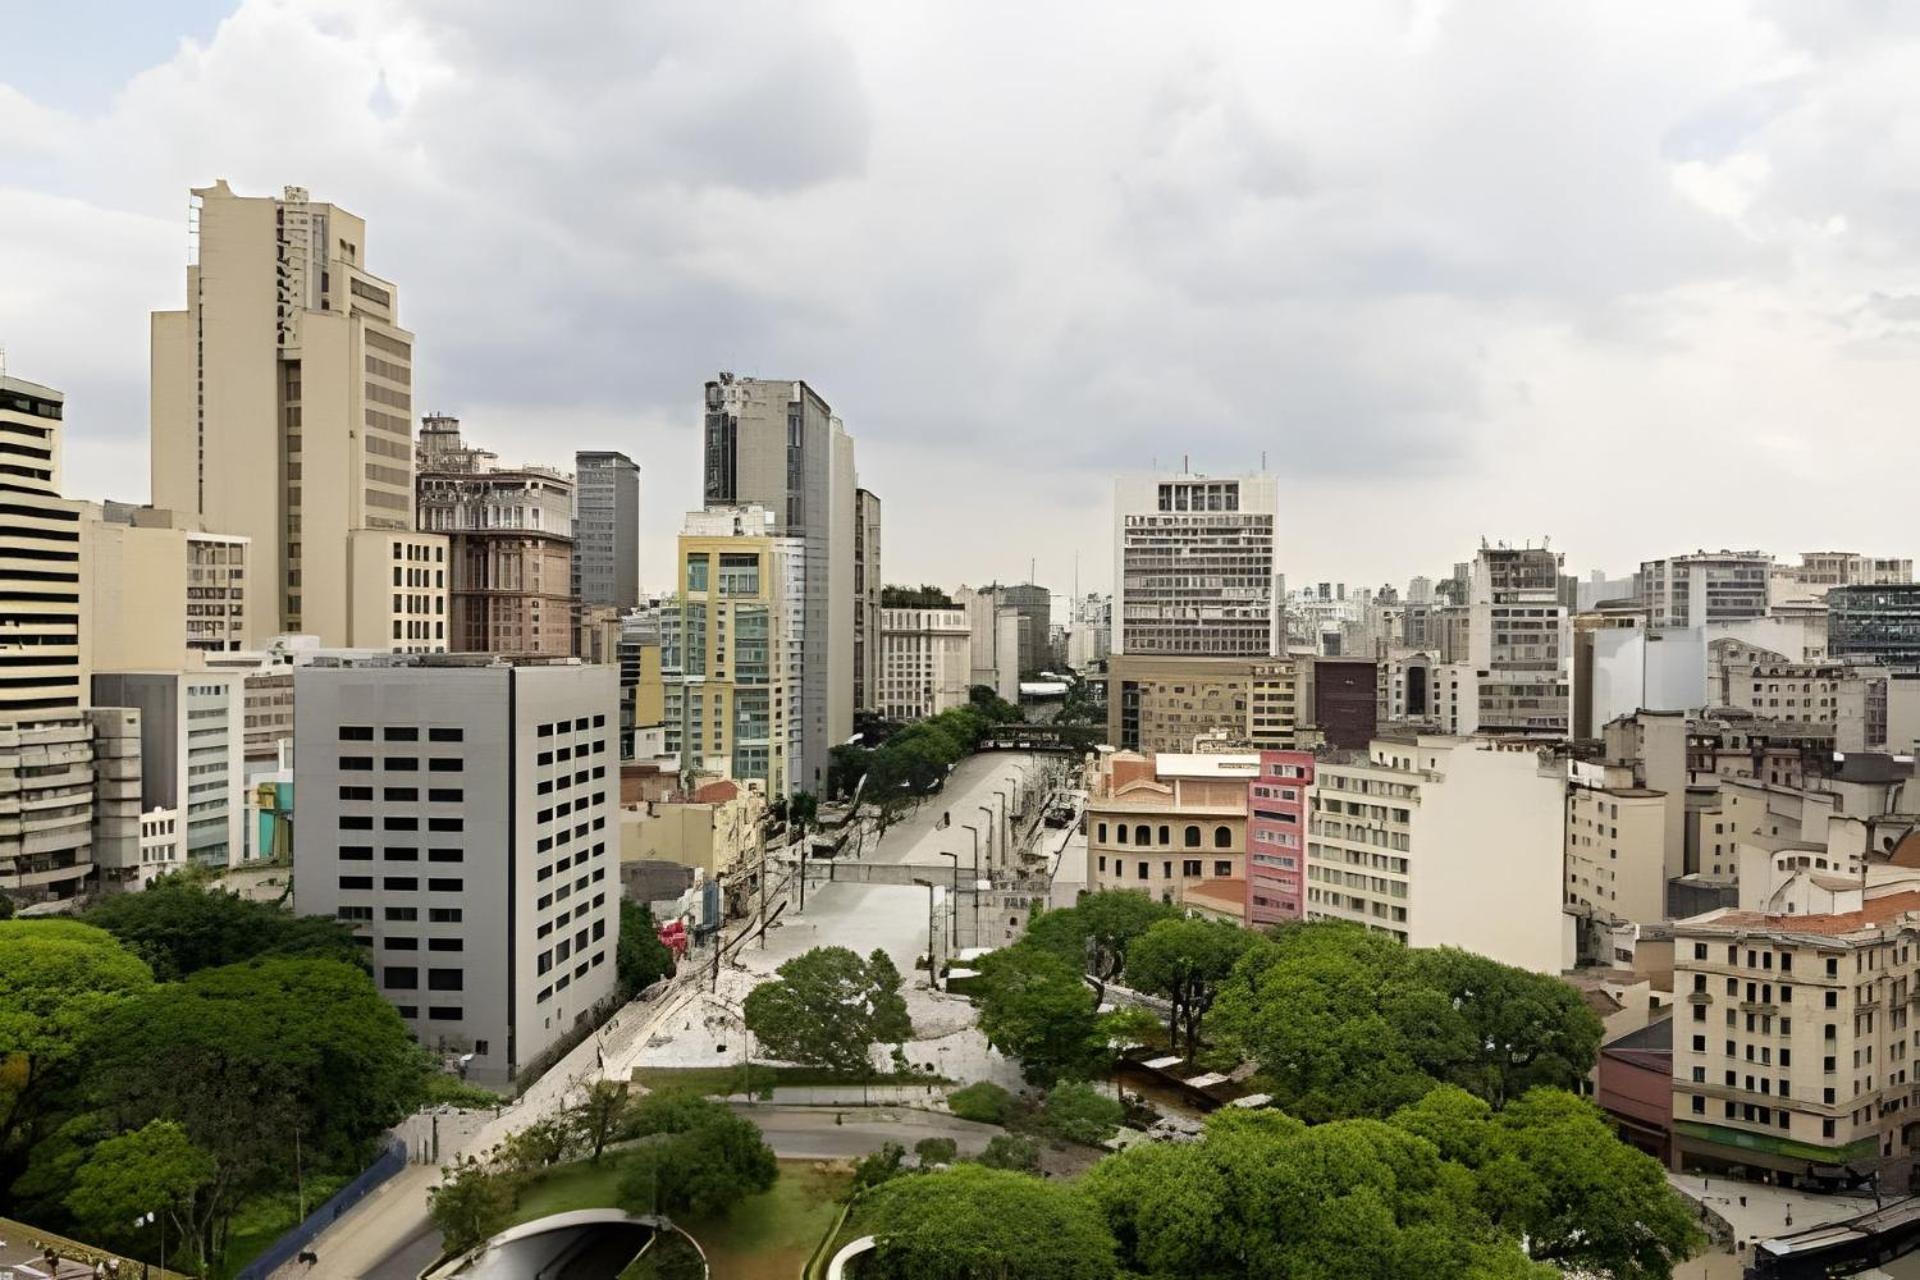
pixel 606 529
pixel 866 600
pixel 1194 570
pixel 458 810
pixel 777 444
pixel 193 755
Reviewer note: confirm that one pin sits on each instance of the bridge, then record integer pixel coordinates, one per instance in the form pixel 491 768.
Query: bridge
pixel 1069 739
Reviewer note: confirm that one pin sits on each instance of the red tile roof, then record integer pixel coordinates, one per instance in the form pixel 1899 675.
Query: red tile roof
pixel 1877 911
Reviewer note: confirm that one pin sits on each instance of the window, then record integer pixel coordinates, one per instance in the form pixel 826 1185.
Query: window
pixel 446 795
pixel 356 793
pixel 446 764
pixel 445 1012
pixel 400 794
pixel 356 733
pixel 356 853
pixel 443 915
pixel 1699 1105
pixel 394 853
pixel 446 885
pixel 445 855
pixel 1223 837
pixel 400 764
pixel 356 822
pixel 356 882
pixel 1222 869
pixel 400 884
pixel 445 979
pixel 1142 834
pixel 1119 833
pixel 1190 867
pixel 397 822
pixel 1192 837
pixel 404 914
pixel 356 764
pixel 1143 871
pixel 354 913
pixel 403 944
pixel 446 824
pixel 400 733
pixel 400 978
pixel 446 944
pixel 446 735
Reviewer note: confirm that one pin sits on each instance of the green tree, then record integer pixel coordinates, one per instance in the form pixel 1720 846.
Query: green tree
pixel 1186 960
pixel 1012 1152
pixel 1093 935
pixel 933 1151
pixel 877 1167
pixel 58 980
pixel 181 925
pixel 1522 1029
pixel 600 1116
pixel 1078 1112
pixel 983 1101
pixel 969 1221
pixel 154 1169
pixel 540 1145
pixel 640 959
pixel 1035 1009
pixel 828 1008
pixel 471 1205
pixel 699 1158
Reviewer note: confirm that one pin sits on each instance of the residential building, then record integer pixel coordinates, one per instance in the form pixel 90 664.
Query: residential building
pixel 187 586
pixel 192 742
pixel 1518 642
pixel 399 595
pixel 714 828
pixel 776 444
pixel 69 802
pixel 1792 1054
pixel 459 811
pixel 1405 838
pixel 510 549
pixel 1166 703
pixel 1626 821
pixel 733 650
pixel 866 600
pixel 926 662
pixel 606 529
pixel 1277 837
pixel 1849 699
pixel 1194 570
pixel 1877 623
pixel 42 644
pixel 1706 586
pixel 1166 823
pixel 1820 571
pixel 281 402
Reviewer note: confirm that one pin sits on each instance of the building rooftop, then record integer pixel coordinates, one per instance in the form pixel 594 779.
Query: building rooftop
pixel 1876 912
pixel 30 388
pixel 1221 895
pixel 1237 764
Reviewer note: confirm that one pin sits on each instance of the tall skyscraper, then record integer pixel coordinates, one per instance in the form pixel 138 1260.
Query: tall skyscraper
pixel 1194 568
pixel 488 885
pixel 281 404
pixel 866 600
pixel 42 642
pixel 1518 643
pixel 510 544
pixel 606 529
pixel 777 444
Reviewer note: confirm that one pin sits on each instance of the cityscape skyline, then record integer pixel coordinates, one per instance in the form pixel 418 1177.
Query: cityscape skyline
pixel 1217 271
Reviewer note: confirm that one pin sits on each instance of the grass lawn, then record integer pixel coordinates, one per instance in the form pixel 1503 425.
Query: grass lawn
pixel 766 1236
pixel 735 1079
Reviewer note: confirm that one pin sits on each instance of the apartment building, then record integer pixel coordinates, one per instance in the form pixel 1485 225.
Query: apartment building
pixel 1626 821
pixel 69 803
pixel 732 650
pixel 1792 1046
pixel 1518 644
pixel 1849 699
pixel 1405 838
pixel 1167 823
pixel 192 749
pixel 188 586
pixel 42 643
pixel 926 662
pixel 1194 566
pixel 606 529
pixel 1277 837
pixel 459 811
pixel 280 404
pixel 1161 703
pixel 510 547
pixel 1876 623
pixel 1705 586
pixel 776 444
pixel 1820 571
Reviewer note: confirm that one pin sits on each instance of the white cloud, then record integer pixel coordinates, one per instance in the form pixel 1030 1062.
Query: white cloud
pixel 1624 274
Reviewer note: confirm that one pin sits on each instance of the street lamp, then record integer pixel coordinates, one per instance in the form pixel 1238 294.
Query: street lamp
pixel 975 832
pixel 1022 770
pixel 988 810
pixel 954 909
pixel 933 961
pixel 1006 835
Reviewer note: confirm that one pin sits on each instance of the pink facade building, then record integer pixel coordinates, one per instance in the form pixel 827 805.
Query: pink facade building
pixel 1276 837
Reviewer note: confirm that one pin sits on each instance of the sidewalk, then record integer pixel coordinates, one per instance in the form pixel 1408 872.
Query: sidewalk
pixel 1766 1212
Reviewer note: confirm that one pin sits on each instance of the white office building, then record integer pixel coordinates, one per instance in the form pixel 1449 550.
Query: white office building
pixel 1194 570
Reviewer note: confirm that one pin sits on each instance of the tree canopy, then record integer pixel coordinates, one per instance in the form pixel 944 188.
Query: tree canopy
pixel 968 1221
pixel 1035 1009
pixel 1095 932
pixel 180 925
pixel 154 1169
pixel 828 1008
pixel 1186 960
pixel 640 959
pixel 699 1157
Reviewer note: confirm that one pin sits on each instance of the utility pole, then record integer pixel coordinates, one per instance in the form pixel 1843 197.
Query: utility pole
pixel 760 841
pixel 933 957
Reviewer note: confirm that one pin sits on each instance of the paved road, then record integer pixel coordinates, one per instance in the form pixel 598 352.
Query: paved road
pixel 826 1133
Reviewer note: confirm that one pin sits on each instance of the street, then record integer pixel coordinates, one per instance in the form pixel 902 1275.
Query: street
pixel 387 1236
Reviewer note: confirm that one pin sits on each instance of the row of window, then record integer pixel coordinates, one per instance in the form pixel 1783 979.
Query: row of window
pixel 399 733
pixel 1144 835
pixel 1190 868
pixel 401 915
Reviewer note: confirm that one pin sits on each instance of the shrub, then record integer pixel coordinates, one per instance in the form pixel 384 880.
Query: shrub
pixel 933 1151
pixel 1078 1112
pixel 1010 1151
pixel 985 1102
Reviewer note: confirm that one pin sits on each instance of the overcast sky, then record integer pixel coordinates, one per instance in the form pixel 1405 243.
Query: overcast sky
pixel 1641 277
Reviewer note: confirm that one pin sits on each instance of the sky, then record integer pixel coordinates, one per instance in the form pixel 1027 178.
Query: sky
pixel 1638 277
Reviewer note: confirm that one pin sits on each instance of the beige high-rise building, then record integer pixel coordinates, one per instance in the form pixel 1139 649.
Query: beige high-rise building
pixel 510 545
pixel 281 404
pixel 1157 703
pixel 187 587
pixel 925 662
pixel 42 642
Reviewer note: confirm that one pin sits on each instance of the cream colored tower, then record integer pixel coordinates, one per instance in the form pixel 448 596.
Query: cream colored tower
pixel 281 411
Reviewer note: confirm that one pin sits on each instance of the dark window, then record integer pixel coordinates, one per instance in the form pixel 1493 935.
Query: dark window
pixel 356 853
pixel 444 915
pixel 446 824
pixel 446 735
pixel 445 855
pixel 446 795
pixel 356 733
pixel 356 822
pixel 445 979
pixel 356 882
pixel 393 822
pixel 394 853
pixel 402 913
pixel 400 733
pixel 392 794
pixel 402 944
pixel 446 944
pixel 440 884
pixel 445 1012
pixel 1222 869
pixel 400 764
pixel 1192 837
pixel 400 884
pixel 356 793
pixel 400 977
pixel 446 764
pixel 1223 837
pixel 355 764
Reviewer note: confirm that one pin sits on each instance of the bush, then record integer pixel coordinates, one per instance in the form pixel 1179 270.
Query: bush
pixel 984 1102
pixel 1010 1151
pixel 878 1167
pixel 933 1151
pixel 1078 1112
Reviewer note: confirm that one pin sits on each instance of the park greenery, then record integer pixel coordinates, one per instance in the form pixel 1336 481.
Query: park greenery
pixel 192 1054
pixel 828 1008
pixel 640 959
pixel 915 759
pixel 669 1152
pixel 920 597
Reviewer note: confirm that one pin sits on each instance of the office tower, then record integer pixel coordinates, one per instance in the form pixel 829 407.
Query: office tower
pixel 1706 586
pixel 187 586
pixel 281 402
pixel 1033 605
pixel 776 444
pixel 731 646
pixel 1879 623
pixel 192 750
pixel 866 600
pixel 1194 568
pixel 926 662
pixel 606 529
pixel 1517 642
pixel 458 811
pixel 42 644
pixel 510 549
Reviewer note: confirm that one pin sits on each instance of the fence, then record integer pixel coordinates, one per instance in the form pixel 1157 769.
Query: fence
pixel 283 1250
